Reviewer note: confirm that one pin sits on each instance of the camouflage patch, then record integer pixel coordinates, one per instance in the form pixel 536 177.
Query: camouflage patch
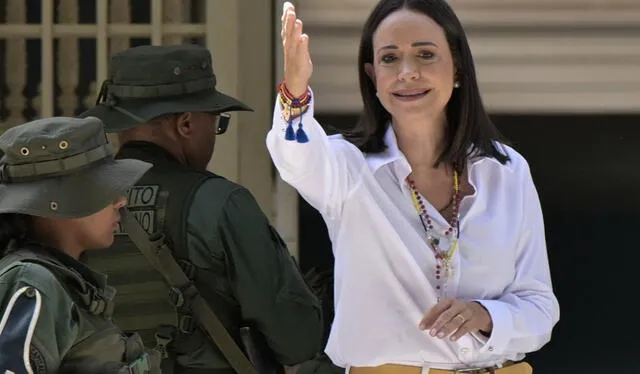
pixel 16 331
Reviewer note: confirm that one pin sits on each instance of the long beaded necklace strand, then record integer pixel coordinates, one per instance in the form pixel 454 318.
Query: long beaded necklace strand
pixel 451 235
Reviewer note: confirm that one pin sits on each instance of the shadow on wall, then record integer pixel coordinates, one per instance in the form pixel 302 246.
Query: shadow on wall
pixel 585 169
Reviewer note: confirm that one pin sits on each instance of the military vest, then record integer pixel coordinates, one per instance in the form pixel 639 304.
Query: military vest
pixel 100 347
pixel 160 201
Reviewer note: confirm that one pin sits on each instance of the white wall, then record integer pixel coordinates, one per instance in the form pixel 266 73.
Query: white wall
pixel 531 55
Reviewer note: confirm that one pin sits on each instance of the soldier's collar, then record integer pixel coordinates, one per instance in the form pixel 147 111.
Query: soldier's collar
pixel 146 151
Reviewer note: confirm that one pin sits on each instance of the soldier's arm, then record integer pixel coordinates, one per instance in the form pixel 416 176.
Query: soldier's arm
pixel 266 282
pixel 37 327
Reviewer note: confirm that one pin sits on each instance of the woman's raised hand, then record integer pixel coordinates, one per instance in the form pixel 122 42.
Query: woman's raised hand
pixel 297 61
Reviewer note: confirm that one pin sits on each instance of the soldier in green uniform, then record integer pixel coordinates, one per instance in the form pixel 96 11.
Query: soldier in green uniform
pixel 163 103
pixel 60 193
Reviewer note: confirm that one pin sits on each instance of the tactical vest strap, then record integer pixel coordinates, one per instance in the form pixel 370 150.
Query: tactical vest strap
pixel 187 324
pixel 190 270
pixel 181 299
pixel 89 295
pixel 157 252
pixel 164 336
pixel 96 304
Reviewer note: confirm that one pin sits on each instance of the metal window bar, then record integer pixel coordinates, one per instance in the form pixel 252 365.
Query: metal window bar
pixel 46 86
pixel 163 25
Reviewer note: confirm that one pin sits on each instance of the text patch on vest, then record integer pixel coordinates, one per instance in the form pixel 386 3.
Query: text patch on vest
pixel 141 202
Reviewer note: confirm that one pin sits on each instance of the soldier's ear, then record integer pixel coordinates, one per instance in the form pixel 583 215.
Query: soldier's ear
pixel 184 124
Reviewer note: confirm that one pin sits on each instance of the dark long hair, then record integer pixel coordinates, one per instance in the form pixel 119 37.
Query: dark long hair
pixel 469 128
pixel 14 230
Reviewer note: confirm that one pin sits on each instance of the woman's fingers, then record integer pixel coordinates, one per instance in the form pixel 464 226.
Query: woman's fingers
pixel 288 21
pixel 297 61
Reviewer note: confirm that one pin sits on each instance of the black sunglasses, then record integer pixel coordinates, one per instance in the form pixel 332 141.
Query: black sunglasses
pixel 223 123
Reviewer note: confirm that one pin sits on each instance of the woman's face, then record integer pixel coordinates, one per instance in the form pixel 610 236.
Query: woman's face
pixel 413 68
pixel 97 230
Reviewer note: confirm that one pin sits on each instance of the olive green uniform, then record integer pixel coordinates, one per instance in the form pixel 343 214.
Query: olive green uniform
pixel 214 228
pixel 227 228
pixel 244 268
pixel 73 331
pixel 55 312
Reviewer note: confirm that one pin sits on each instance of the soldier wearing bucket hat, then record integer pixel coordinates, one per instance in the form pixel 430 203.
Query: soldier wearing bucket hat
pixel 163 103
pixel 60 193
pixel 149 81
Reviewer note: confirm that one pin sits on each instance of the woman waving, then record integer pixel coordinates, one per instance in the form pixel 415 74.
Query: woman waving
pixel 437 231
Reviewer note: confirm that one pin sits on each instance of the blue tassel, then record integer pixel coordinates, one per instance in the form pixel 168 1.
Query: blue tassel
pixel 289 134
pixel 301 136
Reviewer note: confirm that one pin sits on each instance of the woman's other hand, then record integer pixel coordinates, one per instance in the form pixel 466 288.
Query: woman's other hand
pixel 455 318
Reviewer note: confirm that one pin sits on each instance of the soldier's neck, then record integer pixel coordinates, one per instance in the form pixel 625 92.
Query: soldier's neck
pixel 159 138
pixel 65 241
pixel 70 248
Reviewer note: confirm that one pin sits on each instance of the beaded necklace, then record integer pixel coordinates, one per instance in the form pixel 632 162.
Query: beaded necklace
pixel 445 245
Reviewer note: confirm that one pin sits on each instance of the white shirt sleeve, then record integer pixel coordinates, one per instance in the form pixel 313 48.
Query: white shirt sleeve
pixel 524 316
pixel 323 170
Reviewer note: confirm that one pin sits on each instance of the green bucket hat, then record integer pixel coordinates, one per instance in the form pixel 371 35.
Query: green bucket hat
pixel 62 167
pixel 148 81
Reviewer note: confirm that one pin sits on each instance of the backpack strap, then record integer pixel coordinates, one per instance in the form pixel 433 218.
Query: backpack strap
pixel 159 255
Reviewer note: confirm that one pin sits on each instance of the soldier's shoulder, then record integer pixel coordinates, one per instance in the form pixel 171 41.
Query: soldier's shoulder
pixel 218 189
pixel 216 197
pixel 30 274
pixel 221 183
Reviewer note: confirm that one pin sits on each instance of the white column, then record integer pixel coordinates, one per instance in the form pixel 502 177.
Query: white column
pixel 223 26
pixel 15 65
pixel 239 38
pixel 45 103
pixel 68 59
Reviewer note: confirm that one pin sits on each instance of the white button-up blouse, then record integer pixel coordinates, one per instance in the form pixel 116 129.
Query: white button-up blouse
pixel 384 269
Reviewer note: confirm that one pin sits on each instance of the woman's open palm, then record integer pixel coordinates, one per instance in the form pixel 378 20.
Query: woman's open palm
pixel 295 44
